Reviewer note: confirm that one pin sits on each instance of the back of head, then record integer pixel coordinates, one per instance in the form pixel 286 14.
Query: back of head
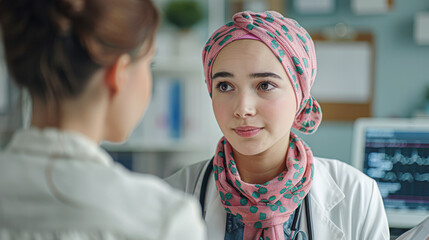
pixel 52 47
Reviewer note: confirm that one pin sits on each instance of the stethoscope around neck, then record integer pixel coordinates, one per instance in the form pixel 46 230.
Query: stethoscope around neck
pixel 296 219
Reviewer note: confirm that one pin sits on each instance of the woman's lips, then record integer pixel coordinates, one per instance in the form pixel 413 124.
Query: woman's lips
pixel 247 131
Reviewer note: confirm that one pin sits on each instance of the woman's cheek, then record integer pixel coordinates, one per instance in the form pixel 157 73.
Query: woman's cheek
pixel 279 110
pixel 221 112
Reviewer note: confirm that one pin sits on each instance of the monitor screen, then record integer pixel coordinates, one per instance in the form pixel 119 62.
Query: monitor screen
pixel 395 153
pixel 399 161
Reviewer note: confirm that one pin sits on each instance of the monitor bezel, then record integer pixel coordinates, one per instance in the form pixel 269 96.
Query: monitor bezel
pixel 396 218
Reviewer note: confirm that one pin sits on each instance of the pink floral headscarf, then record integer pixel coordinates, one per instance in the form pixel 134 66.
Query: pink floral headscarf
pixel 291 44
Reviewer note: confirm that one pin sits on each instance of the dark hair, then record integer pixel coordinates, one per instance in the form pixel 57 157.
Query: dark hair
pixel 52 47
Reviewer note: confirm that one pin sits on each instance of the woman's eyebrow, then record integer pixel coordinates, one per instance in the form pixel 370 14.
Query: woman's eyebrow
pixel 222 75
pixel 264 75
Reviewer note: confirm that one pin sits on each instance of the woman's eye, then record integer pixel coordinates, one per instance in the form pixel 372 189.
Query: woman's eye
pixel 223 87
pixel 266 86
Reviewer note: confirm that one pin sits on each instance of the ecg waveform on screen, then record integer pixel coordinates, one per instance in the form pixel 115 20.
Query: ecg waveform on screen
pixel 402 174
pixel 399 162
pixel 414 159
pixel 406 177
pixel 398 167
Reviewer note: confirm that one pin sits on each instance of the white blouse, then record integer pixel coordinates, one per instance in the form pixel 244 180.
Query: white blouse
pixel 60 185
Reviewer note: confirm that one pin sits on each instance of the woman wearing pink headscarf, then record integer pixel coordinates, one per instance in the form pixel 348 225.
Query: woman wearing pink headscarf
pixel 263 181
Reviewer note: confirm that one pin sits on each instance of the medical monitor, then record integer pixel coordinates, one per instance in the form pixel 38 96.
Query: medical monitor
pixel 395 153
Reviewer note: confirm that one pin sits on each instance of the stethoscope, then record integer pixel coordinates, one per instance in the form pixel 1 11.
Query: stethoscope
pixel 296 219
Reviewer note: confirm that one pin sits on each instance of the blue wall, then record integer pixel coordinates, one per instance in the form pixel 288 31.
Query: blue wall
pixel 401 68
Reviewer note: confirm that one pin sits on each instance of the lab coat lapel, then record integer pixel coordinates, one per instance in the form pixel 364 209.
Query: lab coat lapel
pixel 324 195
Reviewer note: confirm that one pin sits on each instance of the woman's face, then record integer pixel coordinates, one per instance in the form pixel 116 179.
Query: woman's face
pixel 253 99
pixel 133 98
pixel 141 90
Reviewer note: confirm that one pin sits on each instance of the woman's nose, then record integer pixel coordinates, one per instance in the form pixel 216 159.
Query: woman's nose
pixel 244 106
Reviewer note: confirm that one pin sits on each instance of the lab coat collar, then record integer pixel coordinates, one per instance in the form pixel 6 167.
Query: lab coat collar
pixel 328 195
pixel 51 142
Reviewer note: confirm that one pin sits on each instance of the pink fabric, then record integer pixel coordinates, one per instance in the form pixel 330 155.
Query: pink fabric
pixel 248 36
pixel 291 44
pixel 264 208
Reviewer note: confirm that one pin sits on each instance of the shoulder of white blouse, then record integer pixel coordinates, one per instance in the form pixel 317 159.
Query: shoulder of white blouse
pixel 13 234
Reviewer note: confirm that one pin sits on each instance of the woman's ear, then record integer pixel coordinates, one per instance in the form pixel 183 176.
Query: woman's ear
pixel 116 74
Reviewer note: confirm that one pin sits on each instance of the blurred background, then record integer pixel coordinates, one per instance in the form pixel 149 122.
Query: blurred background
pixel 373 57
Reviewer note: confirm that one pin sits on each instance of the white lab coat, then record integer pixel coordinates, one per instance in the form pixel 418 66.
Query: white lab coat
pixel 419 232
pixel 345 203
pixel 60 185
